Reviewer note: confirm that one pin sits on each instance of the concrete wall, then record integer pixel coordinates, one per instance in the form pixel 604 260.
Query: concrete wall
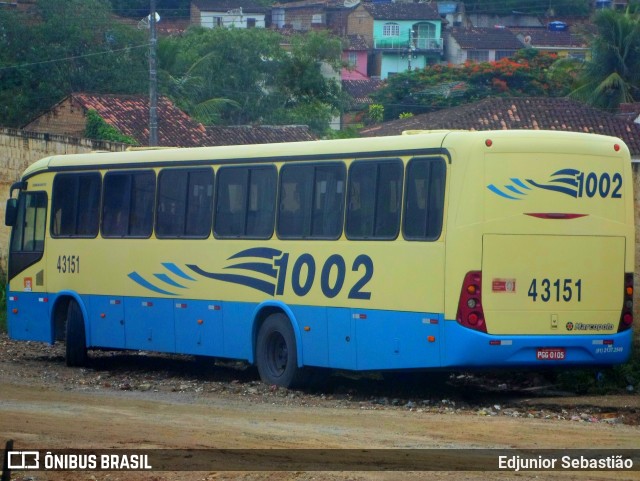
pixel 19 149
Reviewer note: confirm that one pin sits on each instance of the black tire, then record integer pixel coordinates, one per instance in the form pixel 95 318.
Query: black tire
pixel 76 345
pixel 276 354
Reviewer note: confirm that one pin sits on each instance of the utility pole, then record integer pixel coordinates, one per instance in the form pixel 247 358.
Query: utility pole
pixel 153 78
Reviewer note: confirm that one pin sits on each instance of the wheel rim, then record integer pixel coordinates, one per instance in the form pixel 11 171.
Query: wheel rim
pixel 277 354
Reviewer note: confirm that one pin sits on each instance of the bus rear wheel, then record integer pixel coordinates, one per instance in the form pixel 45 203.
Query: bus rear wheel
pixel 76 343
pixel 276 353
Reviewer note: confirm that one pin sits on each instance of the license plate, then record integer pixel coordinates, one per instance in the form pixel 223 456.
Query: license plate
pixel 551 354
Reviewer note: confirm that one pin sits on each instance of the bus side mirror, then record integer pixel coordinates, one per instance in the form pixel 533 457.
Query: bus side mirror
pixel 11 212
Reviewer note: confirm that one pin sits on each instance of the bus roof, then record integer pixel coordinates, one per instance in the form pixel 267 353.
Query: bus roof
pixel 415 143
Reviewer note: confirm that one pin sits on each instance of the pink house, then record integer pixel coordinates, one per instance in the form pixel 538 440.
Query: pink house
pixel 355 55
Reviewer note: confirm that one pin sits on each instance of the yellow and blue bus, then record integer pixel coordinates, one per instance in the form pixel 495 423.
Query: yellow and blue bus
pixel 442 249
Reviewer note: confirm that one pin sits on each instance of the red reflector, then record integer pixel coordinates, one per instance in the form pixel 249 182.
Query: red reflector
pixel 608 342
pixel 473 318
pixel 488 142
pixel 616 147
pixel 494 343
pixel 627 318
pixel 147 304
pixel 554 215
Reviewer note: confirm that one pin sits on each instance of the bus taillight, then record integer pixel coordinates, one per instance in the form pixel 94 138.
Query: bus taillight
pixel 470 312
pixel 626 318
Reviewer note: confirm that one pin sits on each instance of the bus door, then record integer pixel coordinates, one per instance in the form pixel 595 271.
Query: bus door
pixel 27 299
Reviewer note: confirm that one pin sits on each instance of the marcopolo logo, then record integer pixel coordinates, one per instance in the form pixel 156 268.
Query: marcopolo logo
pixel 570 182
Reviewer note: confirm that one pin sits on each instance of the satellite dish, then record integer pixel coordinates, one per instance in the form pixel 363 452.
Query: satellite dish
pixel 351 3
pixel 144 23
pixel 527 40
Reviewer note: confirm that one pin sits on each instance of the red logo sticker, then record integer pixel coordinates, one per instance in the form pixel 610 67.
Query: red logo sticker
pixel 503 285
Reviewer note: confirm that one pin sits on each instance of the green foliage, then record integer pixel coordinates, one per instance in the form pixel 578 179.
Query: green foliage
pixel 375 114
pixel 605 380
pixel 140 8
pixel 97 129
pixel 246 76
pixel 65 46
pixel 612 76
pixel 350 132
pixel 405 115
pixel 550 7
pixel 3 301
pixel 442 86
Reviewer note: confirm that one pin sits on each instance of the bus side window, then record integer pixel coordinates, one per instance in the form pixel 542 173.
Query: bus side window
pixel 311 203
pixel 245 201
pixel 128 204
pixel 375 192
pixel 76 205
pixel 424 199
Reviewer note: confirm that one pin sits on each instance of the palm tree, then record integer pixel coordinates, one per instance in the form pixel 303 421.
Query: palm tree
pixel 612 76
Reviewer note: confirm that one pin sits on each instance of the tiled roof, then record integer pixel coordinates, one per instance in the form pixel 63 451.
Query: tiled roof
pixel 538 113
pixel 403 11
pixel 357 42
pixel 224 5
pixel 486 38
pixel 360 90
pixel 262 134
pixel 130 115
pixel 542 37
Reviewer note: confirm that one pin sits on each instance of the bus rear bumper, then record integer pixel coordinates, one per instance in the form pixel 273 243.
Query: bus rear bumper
pixel 468 348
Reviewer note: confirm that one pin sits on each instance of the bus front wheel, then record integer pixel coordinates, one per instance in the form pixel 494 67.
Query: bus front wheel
pixel 76 344
pixel 276 354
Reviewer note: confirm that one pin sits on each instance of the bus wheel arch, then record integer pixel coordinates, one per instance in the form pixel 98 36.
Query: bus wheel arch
pixel 277 348
pixel 69 317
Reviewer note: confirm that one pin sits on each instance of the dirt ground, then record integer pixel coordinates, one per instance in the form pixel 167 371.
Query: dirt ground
pixel 131 400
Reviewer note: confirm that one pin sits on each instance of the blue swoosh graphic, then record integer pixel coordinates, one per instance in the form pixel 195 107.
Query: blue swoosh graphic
pixel 177 271
pixel 257 284
pixel 513 189
pixel 495 190
pixel 262 252
pixel 260 267
pixel 137 278
pixel 555 188
pixel 570 172
pixel 564 180
pixel 166 279
pixel 519 183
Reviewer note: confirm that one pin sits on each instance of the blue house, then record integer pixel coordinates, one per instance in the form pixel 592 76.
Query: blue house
pixel 403 36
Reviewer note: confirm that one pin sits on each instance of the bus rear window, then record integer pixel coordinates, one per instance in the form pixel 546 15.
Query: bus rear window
pixel 76 205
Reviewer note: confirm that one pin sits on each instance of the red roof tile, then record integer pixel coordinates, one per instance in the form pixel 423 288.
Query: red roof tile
pixel 258 134
pixel 486 38
pixel 130 115
pixel 537 113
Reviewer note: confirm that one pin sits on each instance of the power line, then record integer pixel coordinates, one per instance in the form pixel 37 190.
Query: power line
pixel 146 45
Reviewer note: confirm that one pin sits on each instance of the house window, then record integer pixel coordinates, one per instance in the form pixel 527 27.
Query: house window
pixel 500 54
pixel 391 30
pixel 217 22
pixel 478 55
pixel 353 59
pixel 251 22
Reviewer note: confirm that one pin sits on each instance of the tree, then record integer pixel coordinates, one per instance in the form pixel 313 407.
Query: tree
pixel 440 86
pixel 242 76
pixel 65 46
pixel 612 75
pixel 508 7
